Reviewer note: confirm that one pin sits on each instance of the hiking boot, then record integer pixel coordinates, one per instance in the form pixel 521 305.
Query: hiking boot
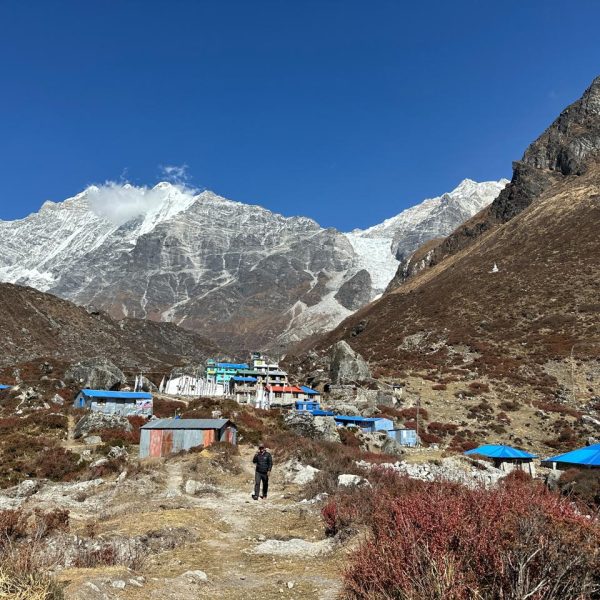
pixel 263 497
pixel 254 497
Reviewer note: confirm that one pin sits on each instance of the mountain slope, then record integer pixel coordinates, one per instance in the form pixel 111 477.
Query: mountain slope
pixel 565 149
pixel 239 274
pixel 534 324
pixel 36 325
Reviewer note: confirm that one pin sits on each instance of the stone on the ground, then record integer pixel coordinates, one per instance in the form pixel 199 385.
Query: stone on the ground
pixel 26 488
pixel 99 463
pixel 56 399
pixel 95 373
pixel 195 576
pixel 316 428
pixel 95 421
pixel 193 487
pixel 296 472
pixel 294 547
pixel 347 366
pixel 119 584
pixel 118 452
pixel 347 480
pixel 459 469
pixel 92 439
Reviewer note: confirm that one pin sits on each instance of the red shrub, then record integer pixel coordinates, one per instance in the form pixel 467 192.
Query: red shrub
pixel 439 386
pixel 429 438
pixel 57 464
pixel 441 428
pixel 435 540
pixel 411 413
pixel 478 387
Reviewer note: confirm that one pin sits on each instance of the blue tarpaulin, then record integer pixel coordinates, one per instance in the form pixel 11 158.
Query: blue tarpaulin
pixel 499 451
pixel 588 456
pixel 309 391
pixel 121 395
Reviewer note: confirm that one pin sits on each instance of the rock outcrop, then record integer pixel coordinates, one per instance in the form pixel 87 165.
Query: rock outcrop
pixel 316 428
pixel 95 373
pixel 95 421
pixel 347 366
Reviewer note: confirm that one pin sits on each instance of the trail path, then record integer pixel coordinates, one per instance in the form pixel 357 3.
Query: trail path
pixel 224 527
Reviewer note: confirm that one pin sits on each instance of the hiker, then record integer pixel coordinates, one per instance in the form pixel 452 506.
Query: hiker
pixel 264 463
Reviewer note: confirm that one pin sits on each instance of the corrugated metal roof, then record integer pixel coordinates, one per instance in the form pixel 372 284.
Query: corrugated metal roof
pixel 232 365
pixel 284 388
pixel 121 395
pixel 353 418
pixel 588 456
pixel 5 387
pixel 239 378
pixel 499 451
pixel 186 424
pixel 309 391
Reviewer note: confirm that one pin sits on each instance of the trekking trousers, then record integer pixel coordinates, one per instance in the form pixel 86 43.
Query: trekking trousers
pixel 264 477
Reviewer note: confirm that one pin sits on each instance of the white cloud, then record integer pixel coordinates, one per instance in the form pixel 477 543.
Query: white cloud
pixel 120 203
pixel 175 173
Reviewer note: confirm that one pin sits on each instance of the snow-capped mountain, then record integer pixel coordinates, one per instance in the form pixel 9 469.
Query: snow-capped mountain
pixel 434 217
pixel 241 274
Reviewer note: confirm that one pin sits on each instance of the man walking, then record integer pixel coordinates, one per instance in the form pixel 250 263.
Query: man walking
pixel 264 463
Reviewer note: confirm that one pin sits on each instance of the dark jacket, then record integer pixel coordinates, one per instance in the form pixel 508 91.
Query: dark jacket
pixel 263 462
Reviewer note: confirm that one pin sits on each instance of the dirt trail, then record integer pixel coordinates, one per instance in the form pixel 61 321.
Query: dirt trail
pixel 227 526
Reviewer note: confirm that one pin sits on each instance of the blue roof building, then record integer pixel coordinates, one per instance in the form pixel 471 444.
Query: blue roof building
pixel 587 457
pixel 127 404
pixel 222 372
pixel 5 387
pixel 506 458
pixel 367 424
pixel 310 393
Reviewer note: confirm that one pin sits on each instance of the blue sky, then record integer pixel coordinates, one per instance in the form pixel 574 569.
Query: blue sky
pixel 345 111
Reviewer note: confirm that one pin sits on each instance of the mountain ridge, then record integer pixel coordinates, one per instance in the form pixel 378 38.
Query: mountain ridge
pixel 236 272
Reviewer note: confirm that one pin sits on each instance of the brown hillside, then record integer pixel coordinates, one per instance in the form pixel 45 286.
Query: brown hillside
pixel 566 149
pixel 543 304
pixel 36 325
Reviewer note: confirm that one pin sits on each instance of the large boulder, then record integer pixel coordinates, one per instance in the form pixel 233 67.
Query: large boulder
pixel 95 373
pixel 95 421
pixel 379 442
pixel 316 428
pixel 347 366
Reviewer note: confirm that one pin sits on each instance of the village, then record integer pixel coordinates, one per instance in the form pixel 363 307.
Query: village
pixel 262 384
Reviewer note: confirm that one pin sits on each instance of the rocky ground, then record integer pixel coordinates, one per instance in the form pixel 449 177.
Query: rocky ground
pixel 189 529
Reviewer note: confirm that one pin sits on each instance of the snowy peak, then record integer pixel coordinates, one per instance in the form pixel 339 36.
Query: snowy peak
pixel 238 273
pixel 434 217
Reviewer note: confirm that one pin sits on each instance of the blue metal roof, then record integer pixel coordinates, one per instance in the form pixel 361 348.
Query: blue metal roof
pixel 499 451
pixel 588 456
pixel 187 424
pixel 309 391
pixel 351 418
pixel 322 413
pixel 232 365
pixel 239 378
pixel 121 395
pixel 5 387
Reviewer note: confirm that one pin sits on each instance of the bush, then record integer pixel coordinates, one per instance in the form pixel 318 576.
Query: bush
pixel 509 405
pixel 479 388
pixel 582 484
pixel 411 413
pixel 442 429
pixel 439 386
pixel 438 540
pixel 57 464
pixel 17 584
